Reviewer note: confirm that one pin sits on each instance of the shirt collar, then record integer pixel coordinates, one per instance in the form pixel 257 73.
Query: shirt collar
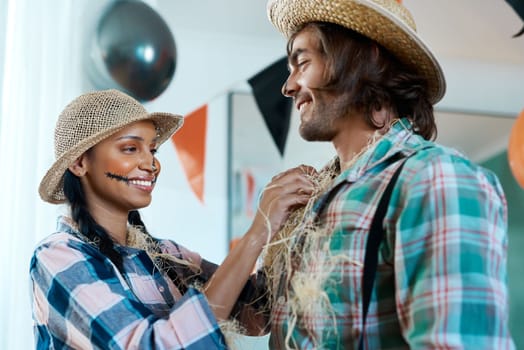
pixel 399 139
pixel 67 224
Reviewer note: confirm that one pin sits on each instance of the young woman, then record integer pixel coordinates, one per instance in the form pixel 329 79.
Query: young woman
pixel 101 280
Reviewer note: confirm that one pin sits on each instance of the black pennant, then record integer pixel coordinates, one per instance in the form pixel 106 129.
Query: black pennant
pixel 518 6
pixel 275 107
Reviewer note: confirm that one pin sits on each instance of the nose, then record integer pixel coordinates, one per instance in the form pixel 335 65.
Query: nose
pixel 290 87
pixel 155 166
pixel 150 164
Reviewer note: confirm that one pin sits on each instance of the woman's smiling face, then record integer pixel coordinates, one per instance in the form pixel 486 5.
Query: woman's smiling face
pixel 120 172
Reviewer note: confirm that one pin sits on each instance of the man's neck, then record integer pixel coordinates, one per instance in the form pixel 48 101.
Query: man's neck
pixel 351 142
pixel 356 136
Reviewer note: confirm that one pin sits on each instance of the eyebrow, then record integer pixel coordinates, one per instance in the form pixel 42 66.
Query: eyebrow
pixel 295 53
pixel 138 138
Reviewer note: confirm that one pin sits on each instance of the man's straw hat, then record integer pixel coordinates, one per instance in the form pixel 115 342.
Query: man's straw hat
pixel 385 21
pixel 89 119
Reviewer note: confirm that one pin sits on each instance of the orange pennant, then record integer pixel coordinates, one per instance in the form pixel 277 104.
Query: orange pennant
pixel 250 189
pixel 233 242
pixel 190 145
pixel 516 149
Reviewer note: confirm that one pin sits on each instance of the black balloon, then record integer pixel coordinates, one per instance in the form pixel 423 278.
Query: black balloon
pixel 136 48
pixel 518 6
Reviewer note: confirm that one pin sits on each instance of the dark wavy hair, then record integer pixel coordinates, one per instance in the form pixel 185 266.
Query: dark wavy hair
pixel 371 77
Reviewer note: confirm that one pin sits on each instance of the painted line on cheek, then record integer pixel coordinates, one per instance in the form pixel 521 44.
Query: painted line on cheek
pixel 118 177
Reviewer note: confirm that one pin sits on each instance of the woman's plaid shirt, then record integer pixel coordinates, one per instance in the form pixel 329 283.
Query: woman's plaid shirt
pixel 82 301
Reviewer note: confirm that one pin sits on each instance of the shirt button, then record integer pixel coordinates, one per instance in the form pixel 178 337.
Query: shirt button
pixel 161 289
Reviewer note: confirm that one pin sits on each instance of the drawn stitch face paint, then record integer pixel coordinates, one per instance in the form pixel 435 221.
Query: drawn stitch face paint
pixel 117 177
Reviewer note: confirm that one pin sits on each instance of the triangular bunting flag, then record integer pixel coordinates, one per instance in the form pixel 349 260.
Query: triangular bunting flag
pixel 190 145
pixel 250 193
pixel 275 108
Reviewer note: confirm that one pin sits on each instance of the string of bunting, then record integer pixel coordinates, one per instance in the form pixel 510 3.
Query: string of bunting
pixel 275 109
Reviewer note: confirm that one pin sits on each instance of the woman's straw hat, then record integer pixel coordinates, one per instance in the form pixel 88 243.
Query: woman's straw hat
pixel 385 21
pixel 89 119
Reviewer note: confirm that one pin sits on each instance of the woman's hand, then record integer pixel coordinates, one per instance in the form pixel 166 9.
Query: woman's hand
pixel 286 192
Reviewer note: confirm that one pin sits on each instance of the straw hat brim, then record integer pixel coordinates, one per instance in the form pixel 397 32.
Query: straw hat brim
pixel 51 186
pixel 371 20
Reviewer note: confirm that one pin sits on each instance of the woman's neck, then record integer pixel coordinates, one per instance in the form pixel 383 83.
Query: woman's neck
pixel 115 223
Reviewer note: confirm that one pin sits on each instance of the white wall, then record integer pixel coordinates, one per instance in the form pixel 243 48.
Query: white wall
pixel 209 63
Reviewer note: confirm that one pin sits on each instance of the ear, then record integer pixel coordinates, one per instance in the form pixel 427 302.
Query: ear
pixel 79 166
pixel 382 118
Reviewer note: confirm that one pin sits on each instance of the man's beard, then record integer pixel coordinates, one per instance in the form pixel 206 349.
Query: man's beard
pixel 321 125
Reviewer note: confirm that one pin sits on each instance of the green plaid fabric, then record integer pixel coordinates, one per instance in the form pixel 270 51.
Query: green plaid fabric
pixel 441 278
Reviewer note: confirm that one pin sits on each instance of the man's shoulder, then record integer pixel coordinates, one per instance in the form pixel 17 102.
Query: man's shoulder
pixel 434 159
pixel 431 153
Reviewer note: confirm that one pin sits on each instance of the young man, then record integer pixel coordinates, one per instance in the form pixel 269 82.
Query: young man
pixel 363 79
